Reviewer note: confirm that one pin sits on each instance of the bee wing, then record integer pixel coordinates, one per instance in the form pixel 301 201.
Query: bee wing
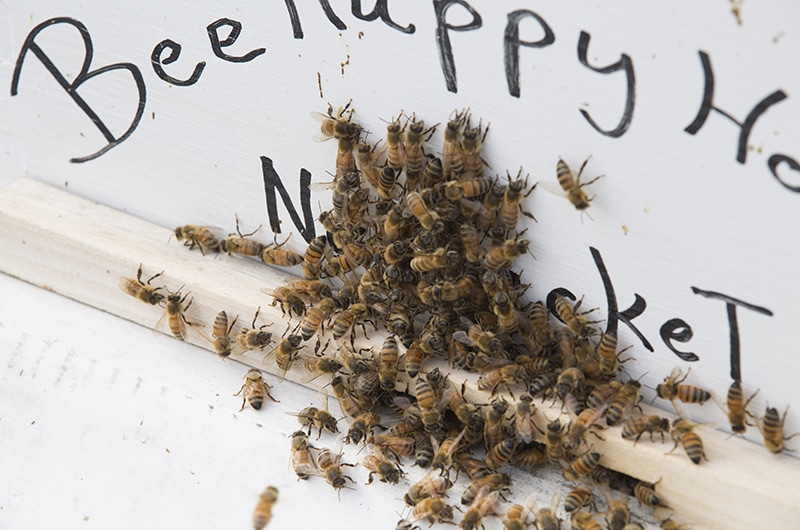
pixel 319 136
pixel 553 187
pixel 321 186
pixel 462 337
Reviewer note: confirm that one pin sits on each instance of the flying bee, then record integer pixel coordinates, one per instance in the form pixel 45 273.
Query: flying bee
pixel 175 315
pixel 378 464
pixel 546 517
pixel 275 255
pixel 431 485
pixel 523 419
pixel 241 243
pixel 452 151
pixel 573 186
pixel 636 427
pixel 511 206
pixel 673 389
pixel 199 236
pixel 313 321
pixel 347 318
pixel 618 514
pixel 361 427
pixel 221 333
pixel 263 511
pixel 737 408
pixel 303 461
pixel 493 481
pixel 627 397
pixel 578 498
pixel 249 339
pixel 255 390
pixel 330 465
pixel 368 155
pixel 320 418
pixel 387 369
pixel 771 427
pixel 581 466
pixel 646 494
pixel 339 125
pixel 428 218
pixel 683 433
pixel 503 255
pixel 485 503
pixel 141 290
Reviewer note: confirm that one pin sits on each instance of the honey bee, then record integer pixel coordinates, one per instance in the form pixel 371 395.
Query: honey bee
pixel 580 424
pixel 286 352
pixel 546 517
pixel 507 375
pixel 415 136
pixel 439 259
pixel 430 404
pixel 396 252
pixel 290 301
pixel 330 466
pixel 433 173
pixel 315 315
pixel 141 290
pixel 263 511
pixel 387 370
pixel 443 453
pixel 603 395
pixel 475 336
pixel 485 503
pixel 636 427
pixel 577 323
pixel 378 464
pixel 255 390
pixel 523 419
pixel 771 427
pixel 349 404
pixel 252 338
pixel 221 333
pixel 313 258
pixel 494 430
pixel 322 364
pixel 542 383
pixel 367 162
pixel 493 481
pixel 646 494
pixel 619 514
pixel 737 408
pixel 582 466
pixel 584 521
pixel 578 498
pixel 428 218
pixel 275 255
pixel 508 320
pixel 502 256
pixel 361 427
pixel 241 243
pixel 431 485
pixel 469 238
pixel 627 397
pixel 468 189
pixel 516 517
pixel 303 461
pixel 174 314
pixel 395 154
pixel 573 186
pixel 570 380
pixel 500 453
pixel 345 161
pixel 452 151
pixel 434 509
pixel 683 433
pixel 607 350
pixel 339 125
pixel 347 318
pixel 672 389
pixel 471 143
pixel 200 236
pixel 553 447
pixel 669 524
pixel 395 445
pixel 511 206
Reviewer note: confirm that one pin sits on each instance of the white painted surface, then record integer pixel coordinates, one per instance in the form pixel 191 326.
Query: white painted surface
pixel 694 216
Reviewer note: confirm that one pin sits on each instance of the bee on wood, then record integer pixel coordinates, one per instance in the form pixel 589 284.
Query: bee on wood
pixel 313 258
pixel 627 397
pixel 349 404
pixel 385 469
pixel 485 503
pixel 552 439
pixel 771 427
pixel 511 206
pixel 263 511
pixel 578 498
pixel 493 481
pixel 618 514
pixel 570 381
pixel 142 290
pixel 673 389
pixel 347 318
pixel 646 494
pixel 434 509
pixel 428 218
pixel 584 521
pixel 361 427
pixel 175 315
pixel 576 322
pixel 339 125
pixel 431 485
pixel 573 186
pixel 303 461
pixel 315 417
pixel 516 517
pixel 255 390
pixel 221 333
pixel 241 243
pixel 275 255
pixel 249 339
pixel 395 154
pixel 636 427
pixel 546 517
pixel 443 453
pixel 580 424
pixel 330 466
pixel 455 190
pixel 683 433
pixel 737 408
pixel 500 453
pixel 200 236
pixel 313 321
pixel 582 466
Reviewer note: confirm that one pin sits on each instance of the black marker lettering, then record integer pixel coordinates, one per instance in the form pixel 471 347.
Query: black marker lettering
pixel 443 37
pixel 381 10
pixel 272 181
pixel 297 28
pixel 174 53
pixel 733 325
pixel 217 45
pixel 511 44
pixel 614 315
pixel 776 159
pixel 625 64
pixel 332 16
pixel 707 106
pixel 83 75
pixel 678 330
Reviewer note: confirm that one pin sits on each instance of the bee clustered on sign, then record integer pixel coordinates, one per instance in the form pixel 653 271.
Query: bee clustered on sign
pixel 424 246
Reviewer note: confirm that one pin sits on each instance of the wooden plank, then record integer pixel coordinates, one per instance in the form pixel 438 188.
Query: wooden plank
pixel 81 249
